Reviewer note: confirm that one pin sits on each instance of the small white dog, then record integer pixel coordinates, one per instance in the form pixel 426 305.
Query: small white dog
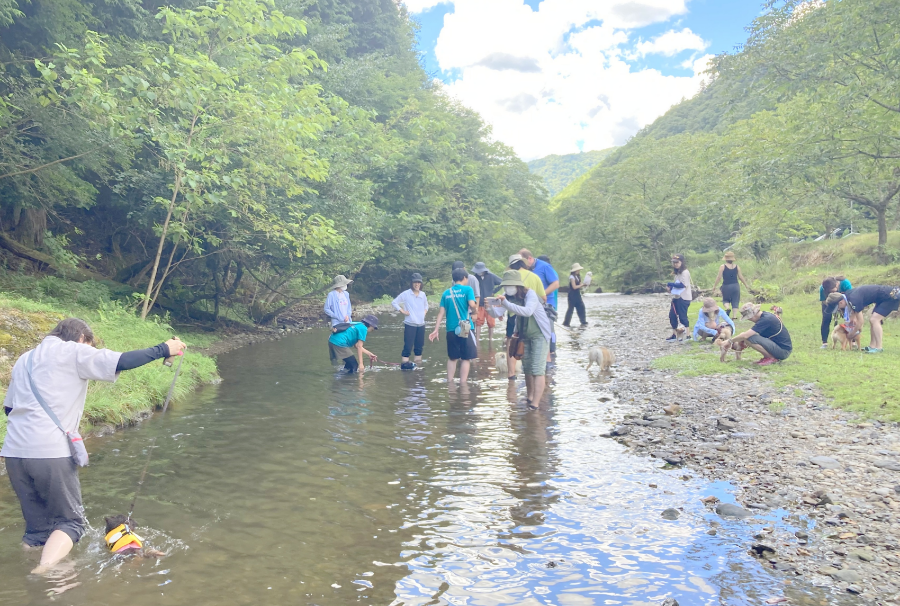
pixel 501 363
pixel 602 357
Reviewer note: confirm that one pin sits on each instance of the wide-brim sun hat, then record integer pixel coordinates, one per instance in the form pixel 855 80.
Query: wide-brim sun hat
pixel 576 267
pixel 372 321
pixel 709 304
pixel 512 278
pixel 729 256
pixel 340 282
pixel 479 268
pixel 416 277
pixel 748 310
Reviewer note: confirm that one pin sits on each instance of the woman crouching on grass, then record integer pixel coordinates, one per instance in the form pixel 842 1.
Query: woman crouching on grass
pixel 532 325
pixel 40 465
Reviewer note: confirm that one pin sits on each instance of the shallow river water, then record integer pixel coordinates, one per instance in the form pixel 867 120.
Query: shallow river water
pixel 290 484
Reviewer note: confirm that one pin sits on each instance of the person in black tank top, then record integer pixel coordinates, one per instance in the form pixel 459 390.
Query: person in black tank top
pixel 576 303
pixel 729 274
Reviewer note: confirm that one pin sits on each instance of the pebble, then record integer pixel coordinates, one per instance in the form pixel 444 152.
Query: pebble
pixel 727 510
pixel 825 462
pixel 671 514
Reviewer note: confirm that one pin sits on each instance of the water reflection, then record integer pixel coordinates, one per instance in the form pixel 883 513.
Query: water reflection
pixel 292 484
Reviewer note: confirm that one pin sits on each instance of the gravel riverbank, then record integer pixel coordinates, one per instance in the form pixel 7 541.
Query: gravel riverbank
pixel 785 449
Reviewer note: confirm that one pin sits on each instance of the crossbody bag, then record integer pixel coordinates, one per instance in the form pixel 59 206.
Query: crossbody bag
pixel 76 442
pixel 463 327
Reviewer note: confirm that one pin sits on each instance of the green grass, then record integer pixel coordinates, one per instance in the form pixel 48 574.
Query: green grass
pixel 136 391
pixel 863 383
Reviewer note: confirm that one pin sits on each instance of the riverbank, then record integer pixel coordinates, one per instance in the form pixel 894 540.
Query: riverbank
pixel 782 441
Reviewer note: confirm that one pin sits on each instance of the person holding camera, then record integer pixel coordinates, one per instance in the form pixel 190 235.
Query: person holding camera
pixel 458 304
pixel 43 449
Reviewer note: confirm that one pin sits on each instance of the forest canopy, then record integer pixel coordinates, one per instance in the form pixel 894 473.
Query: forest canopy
pixel 238 154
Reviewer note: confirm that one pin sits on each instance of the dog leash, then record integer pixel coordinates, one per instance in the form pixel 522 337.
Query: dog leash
pixel 140 483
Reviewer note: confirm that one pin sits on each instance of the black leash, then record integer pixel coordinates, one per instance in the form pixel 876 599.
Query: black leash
pixel 140 483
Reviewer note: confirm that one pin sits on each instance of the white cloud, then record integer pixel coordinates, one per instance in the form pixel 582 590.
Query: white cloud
pixel 671 43
pixel 552 80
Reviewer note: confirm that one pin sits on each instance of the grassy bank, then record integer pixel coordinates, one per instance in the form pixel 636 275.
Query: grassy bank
pixel 864 383
pixel 25 321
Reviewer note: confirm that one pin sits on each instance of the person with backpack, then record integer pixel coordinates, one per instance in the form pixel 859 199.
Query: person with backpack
pixel 458 304
pixel 43 449
pixel 346 343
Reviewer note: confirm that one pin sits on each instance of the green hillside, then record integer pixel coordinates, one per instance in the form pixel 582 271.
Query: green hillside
pixel 558 171
pixel 770 152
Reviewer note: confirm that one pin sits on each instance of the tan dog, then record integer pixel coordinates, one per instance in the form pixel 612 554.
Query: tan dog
pixel 721 341
pixel 841 334
pixel 601 356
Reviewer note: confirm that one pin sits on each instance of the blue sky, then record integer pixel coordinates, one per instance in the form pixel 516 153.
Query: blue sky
pixel 559 76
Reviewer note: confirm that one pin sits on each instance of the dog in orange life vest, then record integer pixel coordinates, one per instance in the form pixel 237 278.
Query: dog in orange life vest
pixel 122 540
pixel 841 334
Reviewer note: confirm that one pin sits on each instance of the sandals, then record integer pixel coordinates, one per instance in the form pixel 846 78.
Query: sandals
pixel 873 350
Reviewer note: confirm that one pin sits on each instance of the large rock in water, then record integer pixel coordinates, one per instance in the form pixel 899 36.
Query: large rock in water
pixel 728 510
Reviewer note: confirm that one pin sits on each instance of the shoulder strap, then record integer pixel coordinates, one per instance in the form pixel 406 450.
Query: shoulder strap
pixel 37 394
pixel 458 314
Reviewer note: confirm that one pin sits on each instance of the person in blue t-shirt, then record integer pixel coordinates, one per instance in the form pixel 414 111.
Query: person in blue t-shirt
pixel 347 345
pixel 458 305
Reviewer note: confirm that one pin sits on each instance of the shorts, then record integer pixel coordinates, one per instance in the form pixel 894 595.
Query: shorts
pixel 483 316
pixel 884 308
pixel 461 349
pixel 50 496
pixel 772 348
pixel 731 293
pixel 510 326
pixel 534 361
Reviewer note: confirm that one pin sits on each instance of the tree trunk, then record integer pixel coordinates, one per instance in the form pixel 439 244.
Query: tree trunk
pixel 162 242
pixel 881 214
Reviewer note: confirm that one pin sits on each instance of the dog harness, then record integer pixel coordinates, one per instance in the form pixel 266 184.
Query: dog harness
pixel 121 537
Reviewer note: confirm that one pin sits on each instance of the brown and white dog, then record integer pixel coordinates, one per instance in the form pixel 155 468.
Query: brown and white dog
pixel 602 357
pixel 721 341
pixel 841 334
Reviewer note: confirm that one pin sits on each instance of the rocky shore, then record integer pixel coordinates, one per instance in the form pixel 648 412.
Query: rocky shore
pixel 785 449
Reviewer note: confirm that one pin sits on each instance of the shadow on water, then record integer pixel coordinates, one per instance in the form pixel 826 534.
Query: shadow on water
pixel 290 483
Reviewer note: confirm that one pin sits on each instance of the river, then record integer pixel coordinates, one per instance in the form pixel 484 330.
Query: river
pixel 290 484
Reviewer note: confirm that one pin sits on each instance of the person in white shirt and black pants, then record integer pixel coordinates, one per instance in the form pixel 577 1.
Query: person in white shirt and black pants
pixel 413 304
pixel 680 288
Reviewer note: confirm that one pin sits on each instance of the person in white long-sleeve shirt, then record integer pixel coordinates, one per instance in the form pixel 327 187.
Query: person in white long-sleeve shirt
pixel 532 325
pixel 413 304
pixel 337 304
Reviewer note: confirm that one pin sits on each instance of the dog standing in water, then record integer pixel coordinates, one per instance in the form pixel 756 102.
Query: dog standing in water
pixel 602 357
pixel 501 363
pixel 122 540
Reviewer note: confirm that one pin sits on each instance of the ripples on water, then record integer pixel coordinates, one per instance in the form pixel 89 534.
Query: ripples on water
pixel 289 484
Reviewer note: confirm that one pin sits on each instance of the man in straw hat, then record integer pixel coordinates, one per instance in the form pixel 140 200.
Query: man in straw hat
pixel 710 320
pixel 337 304
pixel 576 303
pixel 768 335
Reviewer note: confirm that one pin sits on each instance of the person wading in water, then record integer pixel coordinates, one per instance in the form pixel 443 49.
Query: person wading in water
pixel 413 304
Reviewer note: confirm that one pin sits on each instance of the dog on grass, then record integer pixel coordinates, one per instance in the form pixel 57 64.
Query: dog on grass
pixel 122 540
pixel 602 357
pixel 721 341
pixel 841 334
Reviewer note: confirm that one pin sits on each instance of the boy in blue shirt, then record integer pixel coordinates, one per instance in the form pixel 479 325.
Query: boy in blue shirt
pixel 347 345
pixel 458 305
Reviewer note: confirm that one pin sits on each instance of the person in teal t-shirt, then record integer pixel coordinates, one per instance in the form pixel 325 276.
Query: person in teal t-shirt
pixel 458 305
pixel 347 345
